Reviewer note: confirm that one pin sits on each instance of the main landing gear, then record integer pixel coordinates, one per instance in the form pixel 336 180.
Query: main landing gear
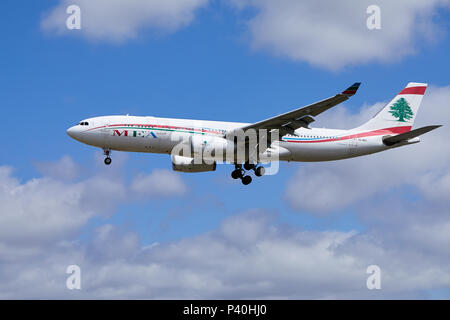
pixel 240 173
pixel 108 160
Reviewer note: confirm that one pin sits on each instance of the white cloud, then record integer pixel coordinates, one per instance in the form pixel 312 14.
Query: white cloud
pixel 109 242
pixel 329 186
pixel 65 169
pixel 333 34
pixel 118 21
pixel 271 263
pixel 274 262
pixel 325 33
pixel 160 183
pixel 250 255
pixel 46 209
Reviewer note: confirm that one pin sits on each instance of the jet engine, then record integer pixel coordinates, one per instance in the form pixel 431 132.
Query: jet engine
pixel 186 164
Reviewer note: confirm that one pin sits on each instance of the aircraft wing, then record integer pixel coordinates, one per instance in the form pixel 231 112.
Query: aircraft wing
pixel 390 141
pixel 302 117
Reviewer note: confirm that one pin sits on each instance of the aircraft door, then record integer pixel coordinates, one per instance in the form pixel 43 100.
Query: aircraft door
pixel 352 146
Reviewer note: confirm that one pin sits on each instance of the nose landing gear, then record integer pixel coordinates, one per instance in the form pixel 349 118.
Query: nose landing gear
pixel 108 160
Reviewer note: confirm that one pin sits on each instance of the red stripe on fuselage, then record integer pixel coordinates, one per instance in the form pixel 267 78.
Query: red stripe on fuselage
pixel 96 128
pixel 393 130
pixel 414 90
pixel 146 126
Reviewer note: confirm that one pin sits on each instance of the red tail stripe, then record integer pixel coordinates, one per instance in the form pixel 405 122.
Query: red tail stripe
pixel 414 90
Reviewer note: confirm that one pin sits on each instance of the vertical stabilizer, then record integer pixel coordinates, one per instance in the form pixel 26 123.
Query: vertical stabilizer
pixel 399 114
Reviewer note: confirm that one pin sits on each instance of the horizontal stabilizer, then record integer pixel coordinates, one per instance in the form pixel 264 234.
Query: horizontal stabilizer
pixel 390 141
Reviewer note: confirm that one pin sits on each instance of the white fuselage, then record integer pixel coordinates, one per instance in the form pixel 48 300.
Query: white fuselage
pixel 156 135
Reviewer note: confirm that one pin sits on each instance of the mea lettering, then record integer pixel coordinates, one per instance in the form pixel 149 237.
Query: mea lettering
pixel 118 133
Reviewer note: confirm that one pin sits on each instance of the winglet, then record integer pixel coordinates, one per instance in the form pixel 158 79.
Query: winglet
pixel 352 89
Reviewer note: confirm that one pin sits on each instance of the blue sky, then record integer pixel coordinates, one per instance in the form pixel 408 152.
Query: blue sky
pixel 209 68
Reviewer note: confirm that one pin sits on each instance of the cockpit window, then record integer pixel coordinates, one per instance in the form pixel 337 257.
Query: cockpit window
pixel 84 123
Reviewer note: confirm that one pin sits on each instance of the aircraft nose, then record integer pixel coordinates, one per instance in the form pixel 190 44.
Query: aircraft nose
pixel 71 132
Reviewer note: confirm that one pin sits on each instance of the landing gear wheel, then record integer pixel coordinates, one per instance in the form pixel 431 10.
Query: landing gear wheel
pixel 107 152
pixel 259 172
pixel 249 166
pixel 236 174
pixel 246 180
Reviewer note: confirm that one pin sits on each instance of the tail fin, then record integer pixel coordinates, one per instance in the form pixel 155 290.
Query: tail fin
pixel 399 114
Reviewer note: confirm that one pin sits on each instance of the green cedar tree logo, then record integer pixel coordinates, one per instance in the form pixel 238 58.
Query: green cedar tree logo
pixel 401 110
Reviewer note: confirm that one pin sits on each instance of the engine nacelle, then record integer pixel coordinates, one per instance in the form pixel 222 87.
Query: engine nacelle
pixel 208 147
pixel 217 149
pixel 186 164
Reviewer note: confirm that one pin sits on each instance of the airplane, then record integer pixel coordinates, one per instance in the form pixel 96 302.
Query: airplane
pixel 390 128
